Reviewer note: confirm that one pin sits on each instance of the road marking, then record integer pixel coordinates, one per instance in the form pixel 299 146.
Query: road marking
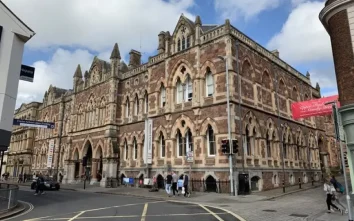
pixel 144 212
pixel 31 207
pixel 229 212
pixel 76 216
pixel 135 216
pixel 211 212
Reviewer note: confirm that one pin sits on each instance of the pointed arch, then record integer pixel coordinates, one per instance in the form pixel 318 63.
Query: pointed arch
pixel 207 64
pixel 98 146
pixel 76 154
pixel 251 120
pixel 204 126
pixel 86 144
pixel 267 80
pixel 188 123
pixel 247 70
pixel 176 71
pixel 159 130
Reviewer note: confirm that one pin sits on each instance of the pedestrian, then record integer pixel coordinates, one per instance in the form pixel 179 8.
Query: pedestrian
pixel 334 182
pixel 185 185
pixel 174 184
pixel 40 185
pixel 336 199
pixel 329 189
pixel 168 184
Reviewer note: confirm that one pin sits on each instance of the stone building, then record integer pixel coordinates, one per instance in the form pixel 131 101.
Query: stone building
pixel 183 91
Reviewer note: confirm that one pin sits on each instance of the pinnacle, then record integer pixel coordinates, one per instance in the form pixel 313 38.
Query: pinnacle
pixel 78 72
pixel 115 52
pixel 198 21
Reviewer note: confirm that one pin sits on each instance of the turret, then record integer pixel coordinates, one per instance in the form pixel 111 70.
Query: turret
pixel 134 59
pixel 77 78
pixel 161 48
pixel 167 42
pixel 198 28
pixel 115 61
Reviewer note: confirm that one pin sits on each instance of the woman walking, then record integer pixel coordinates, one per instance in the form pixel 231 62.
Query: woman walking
pixel 330 190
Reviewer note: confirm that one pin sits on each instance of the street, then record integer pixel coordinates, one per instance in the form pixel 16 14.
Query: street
pixel 75 205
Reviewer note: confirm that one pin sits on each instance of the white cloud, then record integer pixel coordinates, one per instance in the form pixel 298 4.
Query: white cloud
pixel 325 77
pixel 97 25
pixel 297 2
pixel 90 24
pixel 58 71
pixel 302 37
pixel 246 9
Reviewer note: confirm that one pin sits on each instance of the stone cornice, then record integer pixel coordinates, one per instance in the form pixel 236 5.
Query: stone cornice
pixel 328 11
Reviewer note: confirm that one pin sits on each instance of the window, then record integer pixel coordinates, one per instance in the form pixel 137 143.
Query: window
pixel 179 45
pixel 209 83
pixel 135 149
pixel 189 89
pixel 210 141
pixel 179 144
pixel 285 146
pixel 162 96
pixel 189 141
pixel 269 151
pixel 298 155
pixel 136 105
pixel 125 150
pixel 146 103
pixel 162 146
pixel 183 43
pixel 127 107
pixel 188 41
pixel 248 142
pixel 179 89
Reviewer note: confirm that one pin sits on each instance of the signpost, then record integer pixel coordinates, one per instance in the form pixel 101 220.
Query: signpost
pixel 31 123
pixel 27 73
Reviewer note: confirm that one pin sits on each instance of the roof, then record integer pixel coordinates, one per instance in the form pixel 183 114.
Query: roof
pixel 18 19
pixel 206 28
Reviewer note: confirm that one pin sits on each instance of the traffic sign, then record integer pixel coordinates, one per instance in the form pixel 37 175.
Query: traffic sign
pixel 27 73
pixel 31 123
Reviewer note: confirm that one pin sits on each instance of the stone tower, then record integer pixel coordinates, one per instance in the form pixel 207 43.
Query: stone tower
pixel 338 17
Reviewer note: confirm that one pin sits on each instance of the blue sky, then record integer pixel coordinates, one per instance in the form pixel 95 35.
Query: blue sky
pixel 71 32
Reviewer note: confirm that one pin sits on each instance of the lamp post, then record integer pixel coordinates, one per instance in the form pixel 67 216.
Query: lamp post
pixel 339 138
pixel 232 191
pixel 280 128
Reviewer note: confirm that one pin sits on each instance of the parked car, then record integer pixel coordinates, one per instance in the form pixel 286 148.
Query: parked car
pixel 49 184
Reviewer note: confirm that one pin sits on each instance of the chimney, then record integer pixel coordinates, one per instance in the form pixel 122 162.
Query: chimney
pixel 135 58
pixel 161 47
pixel 276 53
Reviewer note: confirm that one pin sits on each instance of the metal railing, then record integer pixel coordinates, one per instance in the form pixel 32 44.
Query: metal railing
pixel 8 196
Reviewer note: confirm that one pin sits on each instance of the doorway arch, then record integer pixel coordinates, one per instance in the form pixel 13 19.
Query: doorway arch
pixel 122 176
pixel 87 152
pixel 255 183
pixel 210 184
pixel 77 164
pixel 160 182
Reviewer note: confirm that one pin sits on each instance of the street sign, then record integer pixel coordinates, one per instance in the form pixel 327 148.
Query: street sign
pixel 27 73
pixel 31 123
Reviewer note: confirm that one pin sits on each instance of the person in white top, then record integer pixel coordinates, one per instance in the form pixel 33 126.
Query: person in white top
pixel 330 190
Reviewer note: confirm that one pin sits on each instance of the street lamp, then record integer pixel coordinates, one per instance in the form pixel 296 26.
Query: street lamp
pixel 337 126
pixel 229 124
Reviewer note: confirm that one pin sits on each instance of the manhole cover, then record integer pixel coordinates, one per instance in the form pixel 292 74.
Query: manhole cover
pixel 269 210
pixel 299 215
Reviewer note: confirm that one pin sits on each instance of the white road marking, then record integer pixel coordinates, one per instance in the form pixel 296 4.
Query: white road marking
pixel 144 212
pixel 211 212
pixel 76 216
pixel 135 216
pixel 31 207
pixel 229 212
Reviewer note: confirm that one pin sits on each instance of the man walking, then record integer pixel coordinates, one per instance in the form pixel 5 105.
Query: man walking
pixel 169 184
pixel 185 185
pixel 174 184
pixel 39 186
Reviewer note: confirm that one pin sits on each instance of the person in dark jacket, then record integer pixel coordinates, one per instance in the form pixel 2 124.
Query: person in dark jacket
pixel 185 185
pixel 40 185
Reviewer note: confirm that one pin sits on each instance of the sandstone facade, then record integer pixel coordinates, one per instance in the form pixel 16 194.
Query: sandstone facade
pixel 183 90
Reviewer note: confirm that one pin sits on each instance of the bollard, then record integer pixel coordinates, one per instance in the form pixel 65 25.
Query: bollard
pixel 111 182
pixel 9 204
pixel 299 183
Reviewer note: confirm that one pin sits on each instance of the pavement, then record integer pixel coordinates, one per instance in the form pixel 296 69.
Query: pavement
pixel 307 203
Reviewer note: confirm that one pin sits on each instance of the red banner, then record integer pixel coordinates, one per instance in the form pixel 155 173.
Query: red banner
pixel 316 107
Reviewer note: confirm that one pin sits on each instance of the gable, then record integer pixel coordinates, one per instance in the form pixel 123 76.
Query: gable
pixel 184 25
pixel 13 23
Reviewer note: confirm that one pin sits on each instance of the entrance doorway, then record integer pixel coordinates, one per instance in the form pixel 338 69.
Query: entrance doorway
pixel 210 184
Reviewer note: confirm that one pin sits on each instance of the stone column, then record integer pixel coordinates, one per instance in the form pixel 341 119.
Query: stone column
pixel 94 171
pixel 336 17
